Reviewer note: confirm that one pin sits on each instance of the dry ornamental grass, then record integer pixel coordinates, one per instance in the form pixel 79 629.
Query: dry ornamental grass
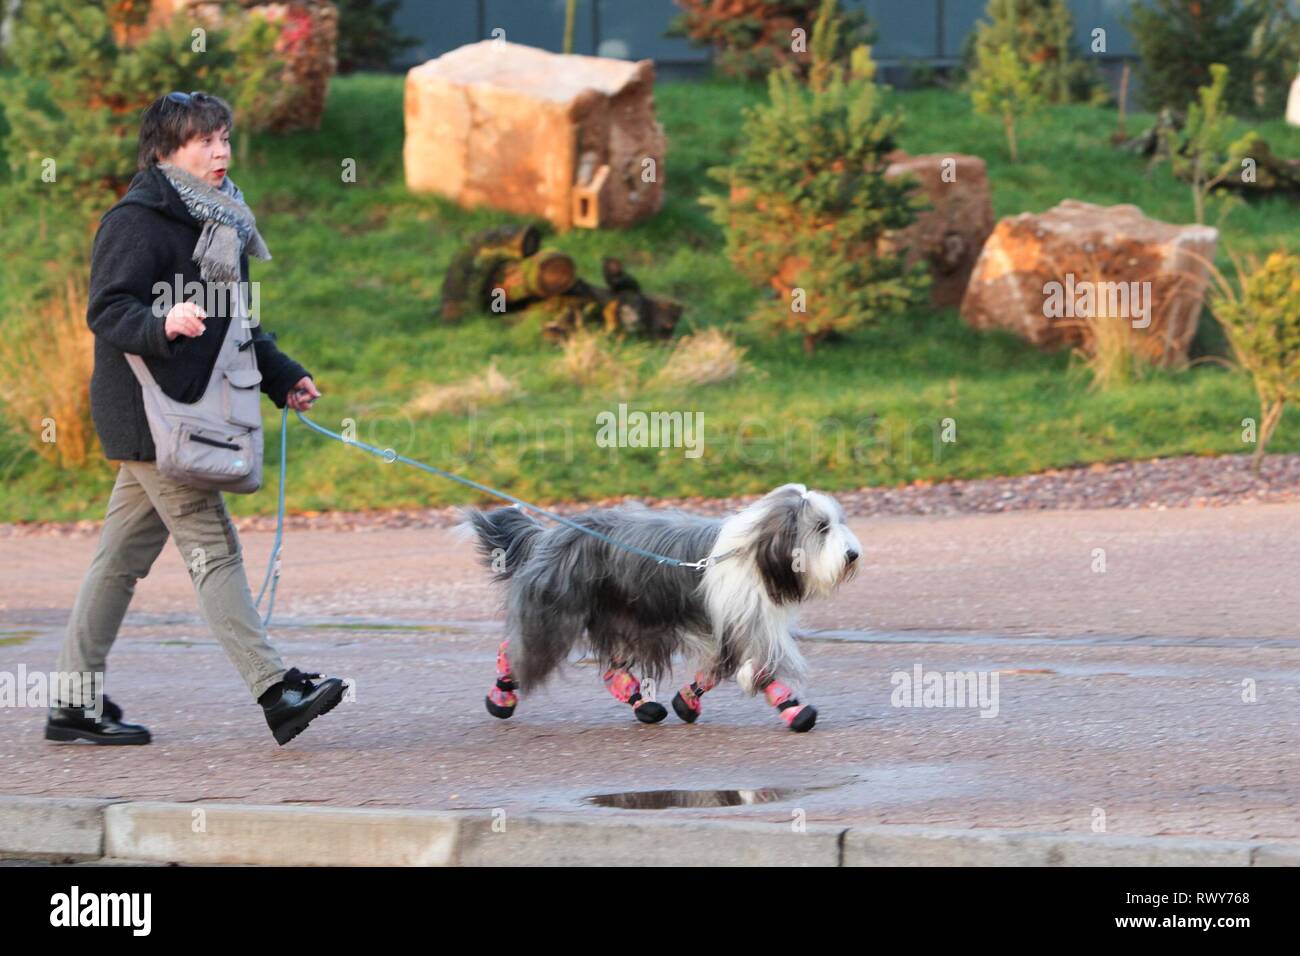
pixel 490 388
pixel 46 358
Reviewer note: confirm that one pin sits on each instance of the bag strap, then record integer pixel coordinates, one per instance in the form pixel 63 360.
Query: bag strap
pixel 146 378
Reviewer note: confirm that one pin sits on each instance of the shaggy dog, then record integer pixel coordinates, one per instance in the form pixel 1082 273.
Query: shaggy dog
pixel 568 589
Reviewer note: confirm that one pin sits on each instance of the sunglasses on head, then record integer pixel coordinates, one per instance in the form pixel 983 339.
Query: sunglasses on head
pixel 183 98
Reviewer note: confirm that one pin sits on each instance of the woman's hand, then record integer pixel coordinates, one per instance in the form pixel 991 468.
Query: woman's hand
pixel 302 395
pixel 185 318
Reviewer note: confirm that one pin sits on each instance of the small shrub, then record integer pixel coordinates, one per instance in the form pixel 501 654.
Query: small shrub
pixel 1262 323
pixel 1005 86
pixel 1041 34
pixel 84 80
pixel 808 207
pixel 1204 139
pixel 753 37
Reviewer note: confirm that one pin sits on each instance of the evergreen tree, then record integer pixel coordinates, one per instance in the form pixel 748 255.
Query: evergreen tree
pixel 1274 53
pixel 73 110
pixel 1178 40
pixel 1206 137
pixel 809 208
pixel 1041 33
pixel 1263 325
pixel 1007 87
pixel 367 38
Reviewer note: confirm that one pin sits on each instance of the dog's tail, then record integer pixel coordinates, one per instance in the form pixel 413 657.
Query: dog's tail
pixel 504 535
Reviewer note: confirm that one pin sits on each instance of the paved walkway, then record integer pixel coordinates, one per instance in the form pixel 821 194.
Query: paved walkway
pixel 1120 692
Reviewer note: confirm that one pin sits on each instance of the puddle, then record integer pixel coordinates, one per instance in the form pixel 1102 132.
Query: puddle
pixel 667 799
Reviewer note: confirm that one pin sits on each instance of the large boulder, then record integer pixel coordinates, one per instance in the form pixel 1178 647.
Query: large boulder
pixel 1047 276
pixel 951 233
pixel 570 138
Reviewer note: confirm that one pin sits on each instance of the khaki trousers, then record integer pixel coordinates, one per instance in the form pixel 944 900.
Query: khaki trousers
pixel 143 510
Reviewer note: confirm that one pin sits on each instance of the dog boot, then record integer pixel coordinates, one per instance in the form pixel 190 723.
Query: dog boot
pixel 501 699
pixel 798 717
pixel 623 684
pixel 687 703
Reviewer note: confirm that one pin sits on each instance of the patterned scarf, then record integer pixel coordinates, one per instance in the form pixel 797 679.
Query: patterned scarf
pixel 228 224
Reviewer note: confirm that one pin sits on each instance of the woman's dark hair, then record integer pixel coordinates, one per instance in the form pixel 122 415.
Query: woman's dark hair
pixel 173 120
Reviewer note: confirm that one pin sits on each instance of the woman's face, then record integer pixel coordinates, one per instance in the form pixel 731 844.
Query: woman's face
pixel 206 156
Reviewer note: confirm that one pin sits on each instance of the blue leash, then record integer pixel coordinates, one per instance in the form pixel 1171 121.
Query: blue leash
pixel 389 455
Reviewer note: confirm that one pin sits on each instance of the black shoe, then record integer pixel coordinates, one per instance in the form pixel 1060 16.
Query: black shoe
pixel 71 723
pixel 295 702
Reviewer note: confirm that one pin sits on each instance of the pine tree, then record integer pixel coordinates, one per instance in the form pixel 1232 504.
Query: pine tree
pixel 74 107
pixel 809 207
pixel 87 70
pixel 367 38
pixel 1041 33
pixel 1177 41
pixel 1205 138
pixel 1263 325
pixel 1007 87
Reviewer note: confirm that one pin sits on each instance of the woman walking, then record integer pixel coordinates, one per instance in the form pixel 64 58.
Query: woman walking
pixel 182 221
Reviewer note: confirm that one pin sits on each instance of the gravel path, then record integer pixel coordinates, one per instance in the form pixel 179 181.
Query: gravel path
pixel 1189 481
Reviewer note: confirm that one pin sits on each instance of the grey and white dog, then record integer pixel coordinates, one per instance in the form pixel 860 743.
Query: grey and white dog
pixel 567 590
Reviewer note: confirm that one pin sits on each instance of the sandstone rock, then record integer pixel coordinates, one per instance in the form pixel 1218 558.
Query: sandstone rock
pixel 570 138
pixel 1046 276
pixel 1293 103
pixel 949 235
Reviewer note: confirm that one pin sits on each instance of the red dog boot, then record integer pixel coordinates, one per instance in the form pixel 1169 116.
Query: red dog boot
pixel 687 703
pixel 622 683
pixel 501 699
pixel 798 717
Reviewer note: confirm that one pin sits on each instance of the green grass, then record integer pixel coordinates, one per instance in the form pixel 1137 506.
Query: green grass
pixel 354 283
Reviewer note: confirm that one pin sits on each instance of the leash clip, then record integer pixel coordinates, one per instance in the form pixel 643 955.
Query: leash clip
pixel 707 562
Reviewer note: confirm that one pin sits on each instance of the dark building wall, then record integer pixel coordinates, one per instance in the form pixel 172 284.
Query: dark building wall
pixel 920 31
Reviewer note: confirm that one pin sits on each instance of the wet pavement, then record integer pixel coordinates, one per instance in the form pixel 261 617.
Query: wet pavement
pixel 1159 697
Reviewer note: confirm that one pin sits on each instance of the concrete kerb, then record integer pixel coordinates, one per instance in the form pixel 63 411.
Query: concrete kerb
pixel 321 836
pixel 63 828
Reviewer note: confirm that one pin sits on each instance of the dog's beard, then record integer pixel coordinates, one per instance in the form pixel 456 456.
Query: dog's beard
pixel 828 571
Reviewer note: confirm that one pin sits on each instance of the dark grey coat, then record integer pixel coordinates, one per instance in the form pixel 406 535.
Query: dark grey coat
pixel 146 238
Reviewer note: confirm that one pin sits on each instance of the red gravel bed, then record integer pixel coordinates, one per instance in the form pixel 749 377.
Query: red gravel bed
pixel 1189 481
